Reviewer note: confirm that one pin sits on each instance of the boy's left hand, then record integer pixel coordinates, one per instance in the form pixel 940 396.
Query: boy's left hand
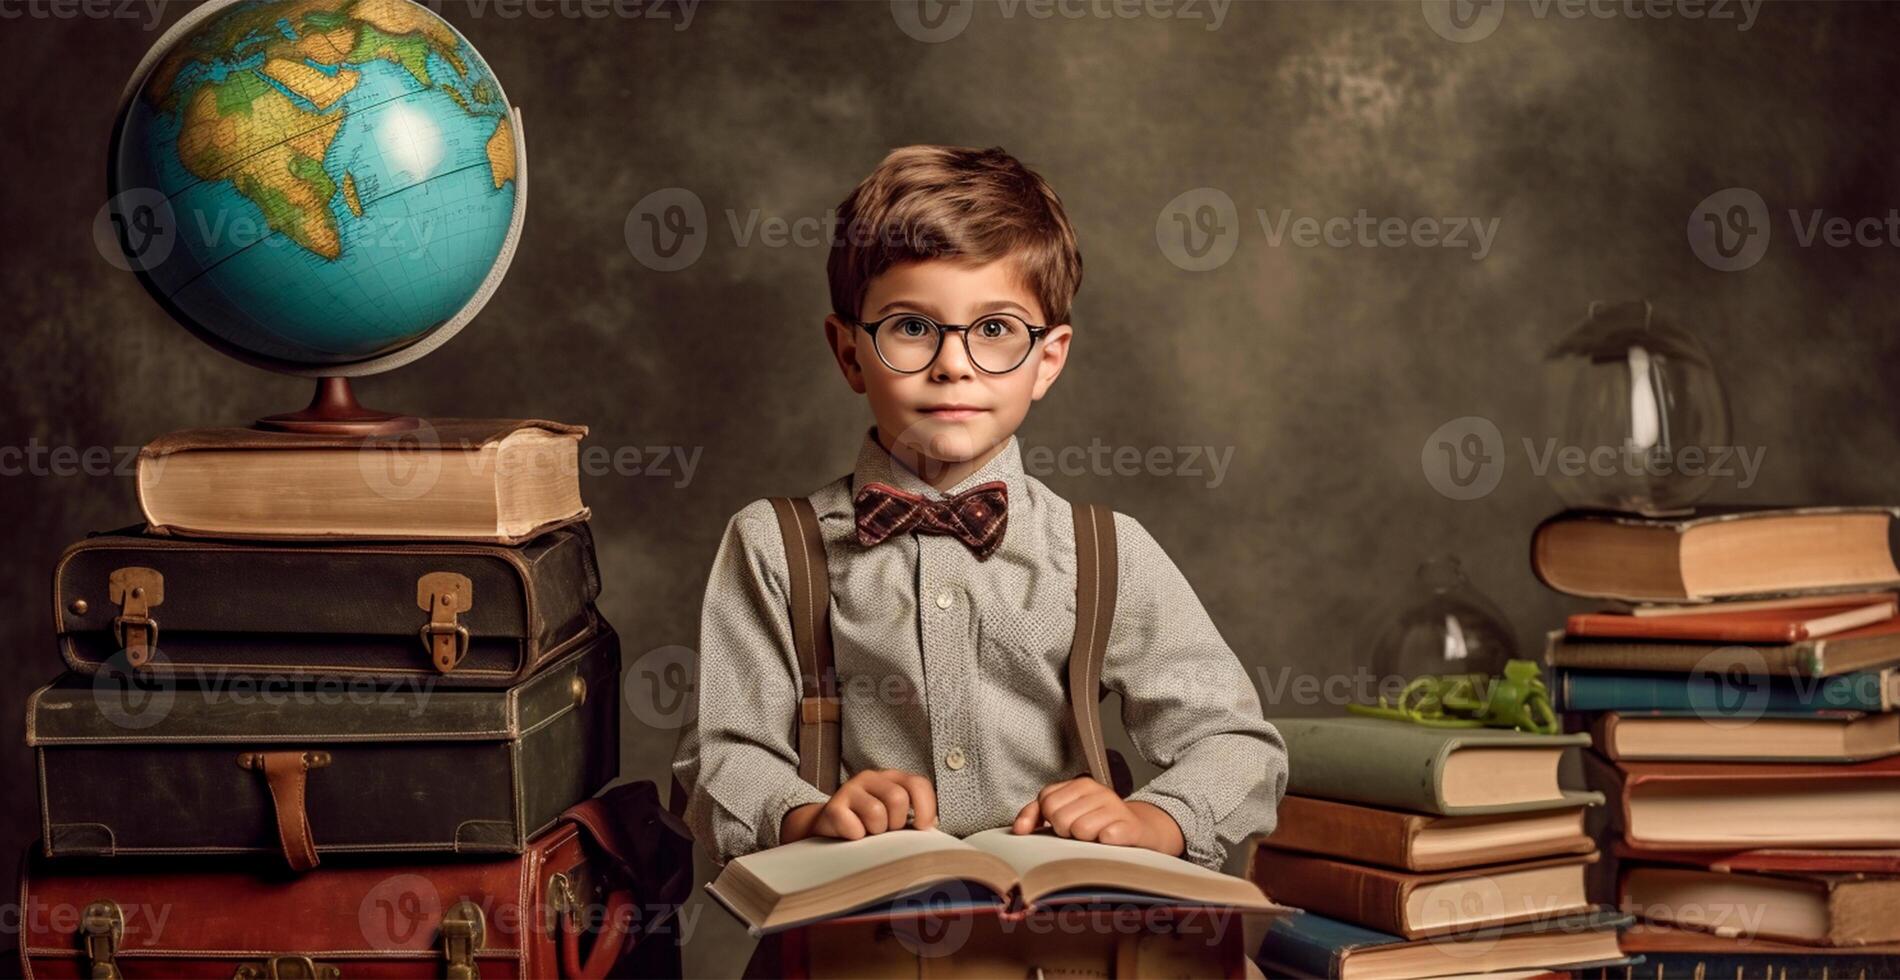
pixel 1087 810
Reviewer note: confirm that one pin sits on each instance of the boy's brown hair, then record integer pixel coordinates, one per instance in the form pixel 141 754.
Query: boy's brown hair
pixel 942 202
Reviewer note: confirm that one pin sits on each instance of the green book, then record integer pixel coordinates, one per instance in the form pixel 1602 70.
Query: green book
pixel 1447 771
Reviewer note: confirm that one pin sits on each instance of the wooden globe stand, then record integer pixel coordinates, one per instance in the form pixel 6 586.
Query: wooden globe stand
pixel 334 411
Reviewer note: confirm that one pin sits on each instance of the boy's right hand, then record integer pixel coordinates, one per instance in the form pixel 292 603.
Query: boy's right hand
pixel 870 802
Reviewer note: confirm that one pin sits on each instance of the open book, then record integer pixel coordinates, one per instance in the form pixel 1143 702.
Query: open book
pixel 823 877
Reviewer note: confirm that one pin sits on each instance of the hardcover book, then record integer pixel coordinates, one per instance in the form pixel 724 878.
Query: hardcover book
pixel 497 480
pixel 1866 648
pixel 821 878
pixel 1416 905
pixel 1828 736
pixel 1420 842
pixel 1312 945
pixel 1722 806
pixel 1716 553
pixel 1444 771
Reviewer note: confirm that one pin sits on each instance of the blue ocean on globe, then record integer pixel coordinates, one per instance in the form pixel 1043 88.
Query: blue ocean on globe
pixel 340 175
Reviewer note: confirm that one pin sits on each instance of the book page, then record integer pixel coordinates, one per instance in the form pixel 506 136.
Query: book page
pixel 804 864
pixel 1025 851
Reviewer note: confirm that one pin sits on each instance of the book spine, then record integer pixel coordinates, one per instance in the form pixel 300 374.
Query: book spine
pixel 1620 656
pixel 1302 952
pixel 1359 835
pixel 1718 695
pixel 1362 896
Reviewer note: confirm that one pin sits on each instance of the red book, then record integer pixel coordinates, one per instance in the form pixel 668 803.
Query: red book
pixel 1741 626
pixel 1858 860
pixel 1727 807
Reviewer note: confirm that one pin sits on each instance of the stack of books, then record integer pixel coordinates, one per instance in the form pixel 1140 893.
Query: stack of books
pixel 340 704
pixel 1421 851
pixel 1741 684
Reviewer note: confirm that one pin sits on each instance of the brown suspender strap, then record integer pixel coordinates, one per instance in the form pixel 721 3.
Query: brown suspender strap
pixel 1094 612
pixel 818 716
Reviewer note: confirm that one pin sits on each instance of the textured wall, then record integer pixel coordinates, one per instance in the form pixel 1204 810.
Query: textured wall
pixel 1583 142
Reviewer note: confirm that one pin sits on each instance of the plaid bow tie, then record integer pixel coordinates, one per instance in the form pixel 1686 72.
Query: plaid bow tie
pixel 976 516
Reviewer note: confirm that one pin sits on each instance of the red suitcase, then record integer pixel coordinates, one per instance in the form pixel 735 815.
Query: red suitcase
pixel 593 896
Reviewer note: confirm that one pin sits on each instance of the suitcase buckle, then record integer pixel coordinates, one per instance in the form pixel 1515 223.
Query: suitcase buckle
pixel 443 595
pixel 101 927
pixel 136 590
pixel 286 968
pixel 463 931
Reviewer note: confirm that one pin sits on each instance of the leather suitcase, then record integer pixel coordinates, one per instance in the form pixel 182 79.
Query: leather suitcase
pixel 455 613
pixel 131 765
pixel 595 895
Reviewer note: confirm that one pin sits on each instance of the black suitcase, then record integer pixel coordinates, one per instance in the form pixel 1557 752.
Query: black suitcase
pixel 460 614
pixel 140 765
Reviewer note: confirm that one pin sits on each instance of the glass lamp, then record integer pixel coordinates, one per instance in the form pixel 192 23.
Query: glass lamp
pixel 1635 411
pixel 1444 625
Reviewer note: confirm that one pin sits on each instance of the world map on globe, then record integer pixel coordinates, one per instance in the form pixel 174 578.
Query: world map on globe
pixel 339 176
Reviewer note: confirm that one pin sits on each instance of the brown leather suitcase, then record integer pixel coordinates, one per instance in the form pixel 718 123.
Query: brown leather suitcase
pixel 140 765
pixel 595 895
pixel 456 614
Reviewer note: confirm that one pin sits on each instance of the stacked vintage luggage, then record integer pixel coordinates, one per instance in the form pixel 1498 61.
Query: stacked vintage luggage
pixel 336 759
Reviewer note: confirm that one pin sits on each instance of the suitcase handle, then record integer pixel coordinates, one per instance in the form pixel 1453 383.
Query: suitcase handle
pixel 285 773
pixel 609 946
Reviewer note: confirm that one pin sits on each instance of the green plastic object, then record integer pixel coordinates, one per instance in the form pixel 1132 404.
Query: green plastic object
pixel 1518 700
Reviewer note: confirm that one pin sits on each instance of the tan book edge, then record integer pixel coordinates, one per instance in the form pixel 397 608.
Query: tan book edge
pixel 820 878
pixel 1818 910
pixel 503 481
pixel 1422 842
pixel 1850 738
pixel 1418 906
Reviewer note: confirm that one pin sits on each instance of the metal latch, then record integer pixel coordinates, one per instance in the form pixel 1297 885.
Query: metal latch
pixel 136 590
pixel 287 968
pixel 463 930
pixel 443 595
pixel 101 929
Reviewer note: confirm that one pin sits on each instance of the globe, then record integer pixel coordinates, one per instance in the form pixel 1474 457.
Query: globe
pixel 322 187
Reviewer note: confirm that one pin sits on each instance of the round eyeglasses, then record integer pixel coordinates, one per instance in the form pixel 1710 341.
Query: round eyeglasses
pixel 997 343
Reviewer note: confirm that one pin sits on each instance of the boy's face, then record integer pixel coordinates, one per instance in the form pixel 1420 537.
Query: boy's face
pixel 950 417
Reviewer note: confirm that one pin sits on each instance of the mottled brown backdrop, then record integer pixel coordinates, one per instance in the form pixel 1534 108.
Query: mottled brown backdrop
pixel 1584 136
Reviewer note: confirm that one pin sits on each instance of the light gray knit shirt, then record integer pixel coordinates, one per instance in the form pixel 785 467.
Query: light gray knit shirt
pixel 955 669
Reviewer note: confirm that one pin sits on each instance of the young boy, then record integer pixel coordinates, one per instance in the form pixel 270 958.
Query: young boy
pixel 950 290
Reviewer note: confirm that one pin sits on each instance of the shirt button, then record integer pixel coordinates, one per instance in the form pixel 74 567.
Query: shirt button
pixel 944 599
pixel 954 758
